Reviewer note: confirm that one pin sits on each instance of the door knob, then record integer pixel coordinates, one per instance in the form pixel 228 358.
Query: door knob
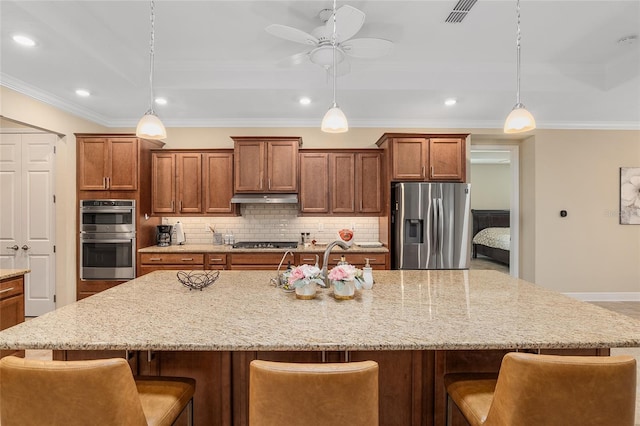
pixel 15 247
pixel 25 247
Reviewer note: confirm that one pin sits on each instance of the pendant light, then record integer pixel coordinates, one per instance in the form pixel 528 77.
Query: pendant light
pixel 334 120
pixel 519 119
pixel 150 126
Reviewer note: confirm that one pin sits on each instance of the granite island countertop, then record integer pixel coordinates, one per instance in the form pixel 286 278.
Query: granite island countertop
pixel 223 248
pixel 405 310
pixel 12 273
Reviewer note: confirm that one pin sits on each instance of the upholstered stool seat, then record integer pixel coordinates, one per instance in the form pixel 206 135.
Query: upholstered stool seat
pixel 313 394
pixel 548 390
pixel 78 393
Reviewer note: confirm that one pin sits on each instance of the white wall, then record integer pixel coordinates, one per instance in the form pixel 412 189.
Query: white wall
pixel 490 186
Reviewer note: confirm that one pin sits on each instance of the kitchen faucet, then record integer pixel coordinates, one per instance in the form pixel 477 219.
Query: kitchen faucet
pixel 325 259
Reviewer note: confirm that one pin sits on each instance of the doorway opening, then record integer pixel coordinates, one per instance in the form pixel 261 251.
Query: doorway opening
pixel 495 185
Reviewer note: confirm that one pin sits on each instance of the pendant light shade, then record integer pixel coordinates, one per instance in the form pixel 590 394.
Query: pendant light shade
pixel 150 126
pixel 519 119
pixel 334 120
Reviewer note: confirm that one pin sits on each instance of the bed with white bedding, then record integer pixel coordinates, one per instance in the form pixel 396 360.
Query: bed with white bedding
pixel 491 234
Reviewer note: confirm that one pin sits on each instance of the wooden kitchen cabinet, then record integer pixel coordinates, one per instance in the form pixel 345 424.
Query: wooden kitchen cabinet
pixel 107 163
pixel 218 182
pixel 423 157
pixel 314 182
pixel 377 260
pixel 11 307
pixel 216 261
pixel 177 182
pixel 150 262
pixel 266 164
pixel 341 182
pixel 259 261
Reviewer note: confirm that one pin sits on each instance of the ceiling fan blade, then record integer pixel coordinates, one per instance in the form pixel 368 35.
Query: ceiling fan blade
pixel 367 47
pixel 349 20
pixel 291 34
pixel 293 60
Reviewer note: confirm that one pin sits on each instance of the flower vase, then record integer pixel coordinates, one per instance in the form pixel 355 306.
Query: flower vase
pixel 344 290
pixel 306 292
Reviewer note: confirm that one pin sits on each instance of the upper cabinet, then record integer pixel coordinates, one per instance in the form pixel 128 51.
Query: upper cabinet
pixel 107 163
pixel 192 182
pixel 266 164
pixel 440 158
pixel 343 182
pixel 177 182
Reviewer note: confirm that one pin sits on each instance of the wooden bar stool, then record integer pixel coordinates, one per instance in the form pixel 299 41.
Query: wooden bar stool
pixel 548 390
pixel 313 394
pixel 79 393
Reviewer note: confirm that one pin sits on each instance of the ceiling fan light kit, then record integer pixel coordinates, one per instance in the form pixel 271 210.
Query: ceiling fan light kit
pixel 150 126
pixel 519 119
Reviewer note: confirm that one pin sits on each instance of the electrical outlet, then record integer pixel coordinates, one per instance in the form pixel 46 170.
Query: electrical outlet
pixel 353 226
pixel 320 226
pixel 207 227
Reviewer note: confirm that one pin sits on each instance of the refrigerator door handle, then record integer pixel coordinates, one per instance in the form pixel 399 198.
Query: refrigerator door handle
pixel 433 243
pixel 440 232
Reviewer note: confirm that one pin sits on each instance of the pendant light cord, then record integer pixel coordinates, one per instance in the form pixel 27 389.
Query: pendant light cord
pixel 518 56
pixel 151 57
pixel 333 43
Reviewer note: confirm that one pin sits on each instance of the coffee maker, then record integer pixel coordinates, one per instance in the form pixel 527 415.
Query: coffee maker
pixel 163 235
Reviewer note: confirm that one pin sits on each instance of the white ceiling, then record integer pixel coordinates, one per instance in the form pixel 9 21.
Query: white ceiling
pixel 217 66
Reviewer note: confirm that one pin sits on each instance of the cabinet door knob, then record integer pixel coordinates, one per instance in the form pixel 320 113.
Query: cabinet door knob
pixel 25 247
pixel 14 247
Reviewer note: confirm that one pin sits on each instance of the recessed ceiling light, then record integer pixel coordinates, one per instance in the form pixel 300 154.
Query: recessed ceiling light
pixel 83 93
pixel 161 101
pixel 24 40
pixel 305 101
pixel 450 102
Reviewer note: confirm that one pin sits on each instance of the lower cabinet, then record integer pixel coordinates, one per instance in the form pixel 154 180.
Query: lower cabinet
pixel 376 260
pixel 150 262
pixel 89 288
pixel 11 307
pixel 258 261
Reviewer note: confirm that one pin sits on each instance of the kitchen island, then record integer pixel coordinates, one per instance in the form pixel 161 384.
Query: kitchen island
pixel 418 325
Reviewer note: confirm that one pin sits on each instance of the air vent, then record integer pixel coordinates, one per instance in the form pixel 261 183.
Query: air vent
pixel 460 11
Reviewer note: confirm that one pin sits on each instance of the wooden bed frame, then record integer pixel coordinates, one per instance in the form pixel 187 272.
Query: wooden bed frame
pixel 490 219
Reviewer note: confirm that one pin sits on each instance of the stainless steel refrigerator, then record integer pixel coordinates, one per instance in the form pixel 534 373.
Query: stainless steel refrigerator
pixel 431 225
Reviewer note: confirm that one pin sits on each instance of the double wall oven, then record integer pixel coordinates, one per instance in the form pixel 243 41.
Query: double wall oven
pixel 107 239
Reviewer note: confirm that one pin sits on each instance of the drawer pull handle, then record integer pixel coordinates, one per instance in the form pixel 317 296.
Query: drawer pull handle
pixel 6 290
pixel 215 260
pixel 372 259
pixel 308 259
pixel 187 259
pixel 155 259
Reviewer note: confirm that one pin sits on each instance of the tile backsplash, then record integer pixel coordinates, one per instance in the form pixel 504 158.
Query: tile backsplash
pixel 274 222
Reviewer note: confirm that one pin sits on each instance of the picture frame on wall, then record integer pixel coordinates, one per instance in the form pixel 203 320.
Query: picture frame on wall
pixel 630 195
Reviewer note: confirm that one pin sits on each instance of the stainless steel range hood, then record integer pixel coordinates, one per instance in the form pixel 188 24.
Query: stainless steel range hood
pixel 265 199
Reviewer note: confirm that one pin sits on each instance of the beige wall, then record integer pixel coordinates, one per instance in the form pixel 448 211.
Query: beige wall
pixel 574 170
pixel 587 251
pixel 491 185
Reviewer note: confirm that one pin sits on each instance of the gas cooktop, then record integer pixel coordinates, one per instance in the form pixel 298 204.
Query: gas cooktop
pixel 266 244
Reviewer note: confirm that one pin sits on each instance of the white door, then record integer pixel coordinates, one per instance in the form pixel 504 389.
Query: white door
pixel 27 215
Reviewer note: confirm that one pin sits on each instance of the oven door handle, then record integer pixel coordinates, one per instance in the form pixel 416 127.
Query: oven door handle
pixel 98 240
pixel 114 209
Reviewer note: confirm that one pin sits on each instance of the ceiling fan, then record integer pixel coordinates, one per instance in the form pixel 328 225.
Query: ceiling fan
pixel 349 20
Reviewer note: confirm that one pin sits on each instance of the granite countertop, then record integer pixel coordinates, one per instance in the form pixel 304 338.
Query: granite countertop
pixel 210 248
pixel 405 310
pixel 12 273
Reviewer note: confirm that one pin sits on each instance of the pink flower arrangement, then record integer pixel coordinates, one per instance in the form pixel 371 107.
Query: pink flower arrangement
pixel 303 275
pixel 341 273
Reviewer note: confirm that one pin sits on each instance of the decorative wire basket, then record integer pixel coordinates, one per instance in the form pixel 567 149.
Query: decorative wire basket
pixel 197 280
